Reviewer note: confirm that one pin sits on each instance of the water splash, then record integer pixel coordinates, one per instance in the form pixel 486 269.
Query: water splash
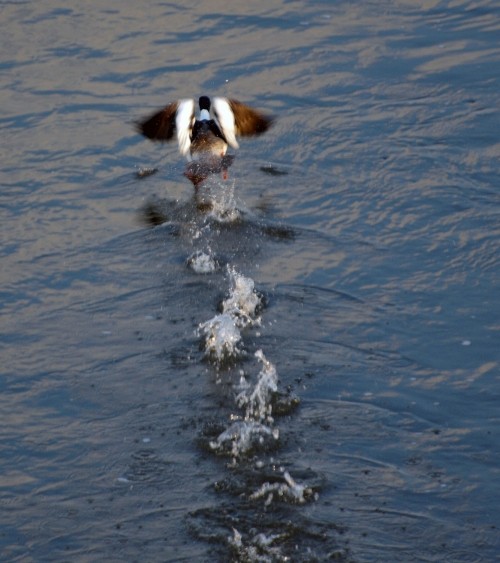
pixel 222 337
pixel 254 430
pixel 257 549
pixel 243 437
pixel 220 201
pixel 289 491
pixel 243 301
pixel 258 400
pixel 223 332
pixel 202 262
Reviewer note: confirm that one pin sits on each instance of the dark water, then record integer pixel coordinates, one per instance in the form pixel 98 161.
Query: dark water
pixel 371 226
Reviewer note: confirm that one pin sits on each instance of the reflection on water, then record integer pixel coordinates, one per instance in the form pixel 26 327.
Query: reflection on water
pixel 349 265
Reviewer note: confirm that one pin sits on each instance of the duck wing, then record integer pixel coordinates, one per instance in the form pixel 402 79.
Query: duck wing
pixel 236 118
pixel 225 118
pixel 184 122
pixel 162 125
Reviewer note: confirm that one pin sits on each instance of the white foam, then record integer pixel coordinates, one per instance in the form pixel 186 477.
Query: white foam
pixel 257 400
pixel 257 549
pixel 243 435
pixel 255 429
pixel 221 337
pixel 243 301
pixel 201 262
pixel 290 491
pixel 222 332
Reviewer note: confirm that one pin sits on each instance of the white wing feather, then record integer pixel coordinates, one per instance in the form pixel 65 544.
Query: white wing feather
pixel 183 123
pixel 225 117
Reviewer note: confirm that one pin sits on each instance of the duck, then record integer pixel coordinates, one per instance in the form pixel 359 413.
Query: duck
pixel 205 139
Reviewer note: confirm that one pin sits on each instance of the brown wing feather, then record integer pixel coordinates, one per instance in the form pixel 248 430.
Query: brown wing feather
pixel 249 121
pixel 161 125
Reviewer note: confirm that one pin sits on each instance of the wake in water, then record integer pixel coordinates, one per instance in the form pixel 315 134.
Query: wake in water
pixel 217 228
pixel 251 432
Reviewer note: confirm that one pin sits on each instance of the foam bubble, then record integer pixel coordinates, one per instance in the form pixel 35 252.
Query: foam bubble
pixel 289 491
pixel 242 436
pixel 221 337
pixel 257 401
pixel 254 429
pixel 243 300
pixel 258 548
pixel 222 332
pixel 201 262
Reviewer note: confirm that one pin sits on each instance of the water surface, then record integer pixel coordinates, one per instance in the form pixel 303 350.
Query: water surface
pixel 367 219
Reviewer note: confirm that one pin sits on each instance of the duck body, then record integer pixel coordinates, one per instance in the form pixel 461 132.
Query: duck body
pixel 206 137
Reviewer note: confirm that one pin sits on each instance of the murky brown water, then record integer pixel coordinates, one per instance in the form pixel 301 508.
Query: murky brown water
pixel 370 225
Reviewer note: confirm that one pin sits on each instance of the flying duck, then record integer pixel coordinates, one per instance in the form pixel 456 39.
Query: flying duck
pixel 208 136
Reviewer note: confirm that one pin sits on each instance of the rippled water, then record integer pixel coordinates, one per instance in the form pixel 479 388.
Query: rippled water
pixel 365 223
